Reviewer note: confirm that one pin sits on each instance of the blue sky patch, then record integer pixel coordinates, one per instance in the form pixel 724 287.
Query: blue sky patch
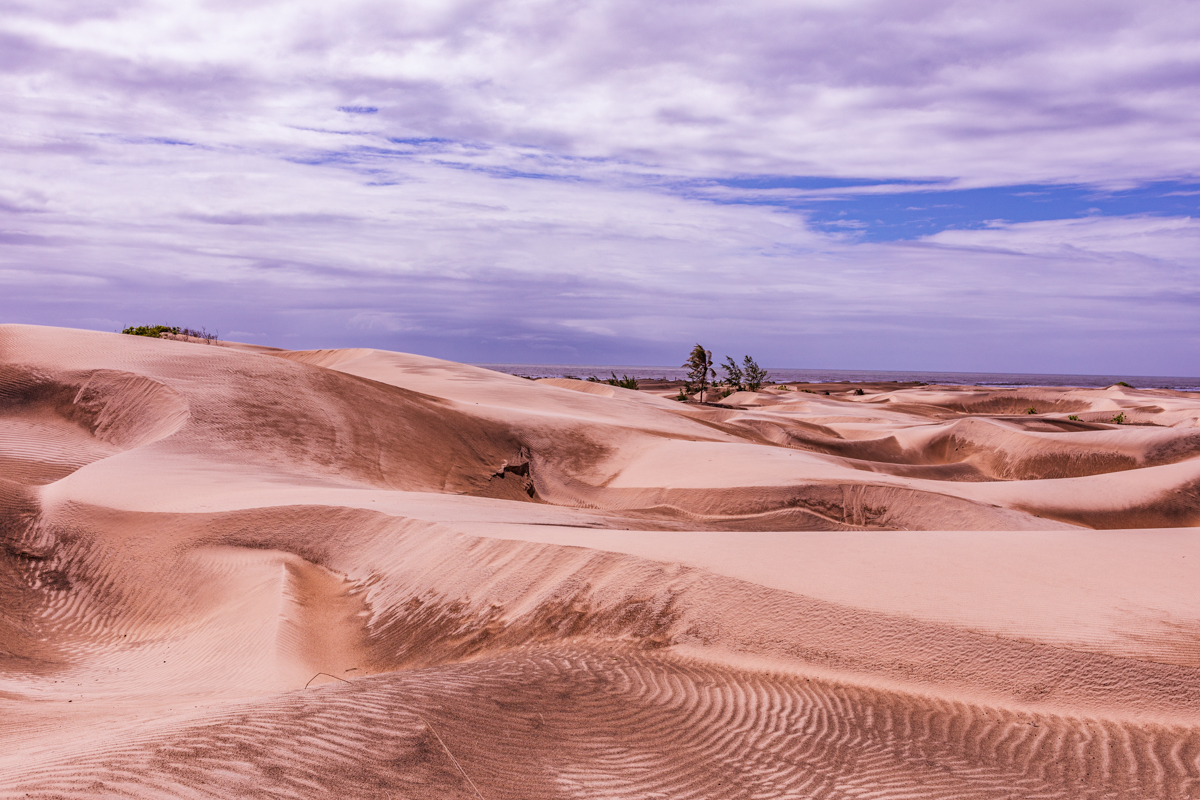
pixel 891 211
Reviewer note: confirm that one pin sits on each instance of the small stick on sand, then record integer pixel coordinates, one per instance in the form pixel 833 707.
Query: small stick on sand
pixel 327 675
pixel 427 725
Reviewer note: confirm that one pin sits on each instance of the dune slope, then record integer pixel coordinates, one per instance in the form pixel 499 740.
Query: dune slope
pixel 249 572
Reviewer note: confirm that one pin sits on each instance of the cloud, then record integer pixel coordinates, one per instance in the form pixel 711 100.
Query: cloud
pixel 464 264
pixel 505 180
pixel 371 319
pixel 1004 93
pixel 1169 239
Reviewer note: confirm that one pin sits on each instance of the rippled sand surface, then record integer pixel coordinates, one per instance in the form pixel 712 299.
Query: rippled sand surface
pixel 235 571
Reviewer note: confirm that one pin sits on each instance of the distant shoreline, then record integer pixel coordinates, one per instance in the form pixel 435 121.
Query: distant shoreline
pixel 785 375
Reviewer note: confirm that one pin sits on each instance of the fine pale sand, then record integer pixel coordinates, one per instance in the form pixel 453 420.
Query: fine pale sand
pixel 234 571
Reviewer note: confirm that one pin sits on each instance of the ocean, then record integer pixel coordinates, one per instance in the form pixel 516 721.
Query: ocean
pixel 780 375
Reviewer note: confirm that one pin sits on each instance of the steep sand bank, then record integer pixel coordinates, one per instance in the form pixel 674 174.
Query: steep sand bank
pixel 251 572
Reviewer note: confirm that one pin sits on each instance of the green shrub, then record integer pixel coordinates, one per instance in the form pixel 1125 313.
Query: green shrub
pixel 154 331
pixel 159 331
pixel 1073 417
pixel 753 375
pixel 1123 383
pixel 1031 410
pixel 625 382
pixel 1120 418
pixel 733 374
pixel 747 377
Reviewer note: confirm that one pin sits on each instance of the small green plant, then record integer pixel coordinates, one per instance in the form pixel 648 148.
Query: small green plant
pixel 1120 418
pixel 1123 383
pixel 1073 417
pixel 1031 410
pixel 154 331
pixel 859 392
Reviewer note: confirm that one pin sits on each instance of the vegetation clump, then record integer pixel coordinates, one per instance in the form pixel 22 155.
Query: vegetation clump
pixel 625 382
pixel 167 331
pixel 1073 417
pixel 700 369
pixel 745 377
pixel 859 392
pixel 753 375
pixel 1031 410
pixel 1120 418
pixel 155 331
pixel 748 376
pixel 733 373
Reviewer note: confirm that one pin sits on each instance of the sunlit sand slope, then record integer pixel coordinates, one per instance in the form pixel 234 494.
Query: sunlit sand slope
pixel 231 572
pixel 570 723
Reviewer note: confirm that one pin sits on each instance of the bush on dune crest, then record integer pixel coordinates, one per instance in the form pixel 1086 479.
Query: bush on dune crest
pixel 749 377
pixel 168 331
pixel 155 331
pixel 624 382
pixel 746 377
pixel 753 375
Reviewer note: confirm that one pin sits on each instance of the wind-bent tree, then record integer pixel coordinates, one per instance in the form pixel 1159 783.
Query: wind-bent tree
pixel 753 375
pixel 700 368
pixel 733 373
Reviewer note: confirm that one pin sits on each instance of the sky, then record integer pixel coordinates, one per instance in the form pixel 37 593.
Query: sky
pixel 927 185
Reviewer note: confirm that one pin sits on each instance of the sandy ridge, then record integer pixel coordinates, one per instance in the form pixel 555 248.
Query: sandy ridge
pixel 539 589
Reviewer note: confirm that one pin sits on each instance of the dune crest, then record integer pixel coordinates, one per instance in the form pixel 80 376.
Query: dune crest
pixel 232 571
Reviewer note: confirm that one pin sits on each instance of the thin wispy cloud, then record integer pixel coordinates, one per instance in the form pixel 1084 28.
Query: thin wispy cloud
pixel 925 185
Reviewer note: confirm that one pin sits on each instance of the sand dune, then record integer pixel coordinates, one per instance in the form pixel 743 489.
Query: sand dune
pixel 239 571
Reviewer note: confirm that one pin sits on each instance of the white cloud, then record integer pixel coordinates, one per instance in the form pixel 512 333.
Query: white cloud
pixel 1174 239
pixel 1012 92
pixel 381 320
